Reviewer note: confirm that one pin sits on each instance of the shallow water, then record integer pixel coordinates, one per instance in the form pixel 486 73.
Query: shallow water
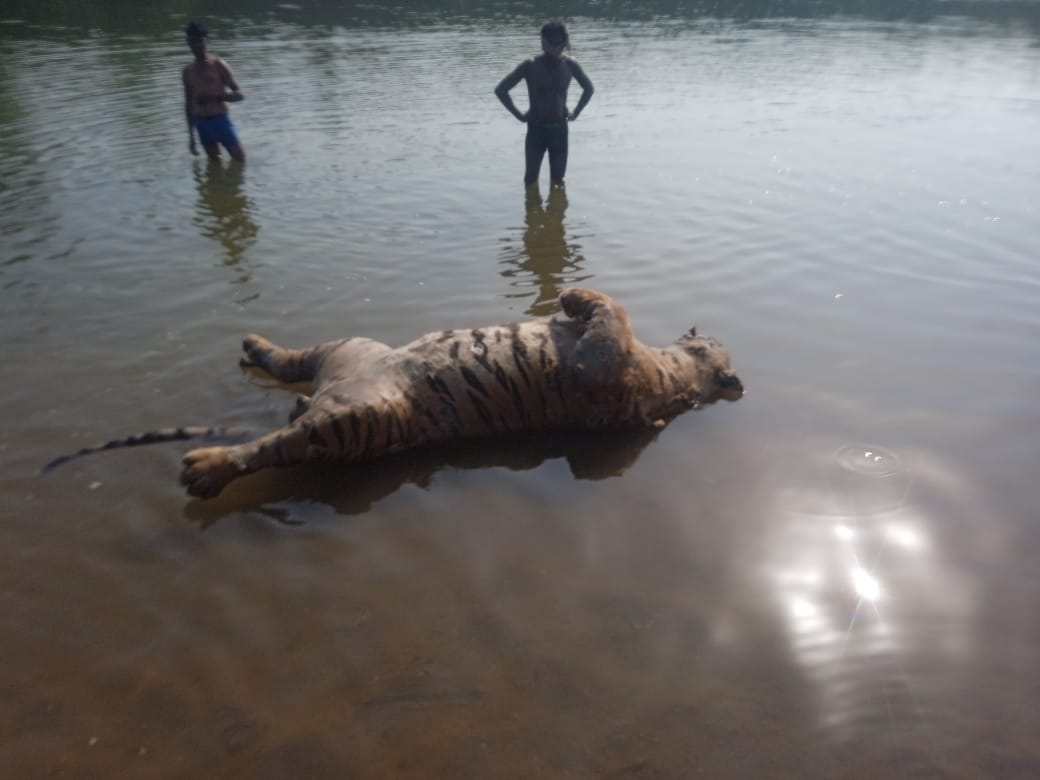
pixel 834 576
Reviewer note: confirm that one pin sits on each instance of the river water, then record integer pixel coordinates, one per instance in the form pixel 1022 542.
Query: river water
pixel 835 576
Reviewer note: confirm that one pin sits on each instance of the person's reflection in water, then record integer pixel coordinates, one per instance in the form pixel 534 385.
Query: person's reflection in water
pixel 224 213
pixel 547 259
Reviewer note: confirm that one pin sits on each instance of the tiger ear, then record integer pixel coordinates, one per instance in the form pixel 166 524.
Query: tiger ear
pixel 693 330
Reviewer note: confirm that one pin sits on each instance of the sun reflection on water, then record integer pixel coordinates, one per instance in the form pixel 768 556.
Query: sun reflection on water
pixel 865 585
pixel 851 559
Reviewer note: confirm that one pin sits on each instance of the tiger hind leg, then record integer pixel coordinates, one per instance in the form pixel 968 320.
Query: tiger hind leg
pixel 345 432
pixel 207 470
pixel 285 365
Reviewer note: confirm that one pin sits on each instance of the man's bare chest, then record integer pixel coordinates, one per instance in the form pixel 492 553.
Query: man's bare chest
pixel 204 76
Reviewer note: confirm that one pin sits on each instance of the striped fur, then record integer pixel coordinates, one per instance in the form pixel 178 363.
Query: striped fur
pixel 184 433
pixel 583 371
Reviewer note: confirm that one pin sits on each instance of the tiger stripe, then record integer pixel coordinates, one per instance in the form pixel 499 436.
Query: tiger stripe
pixel 473 381
pixel 337 431
pixel 482 410
pixel 518 403
pixel 500 376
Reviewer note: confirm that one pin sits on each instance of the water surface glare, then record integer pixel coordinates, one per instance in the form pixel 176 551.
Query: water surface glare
pixel 835 576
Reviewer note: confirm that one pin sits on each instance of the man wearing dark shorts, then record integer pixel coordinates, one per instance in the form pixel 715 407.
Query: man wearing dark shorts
pixel 548 76
pixel 209 85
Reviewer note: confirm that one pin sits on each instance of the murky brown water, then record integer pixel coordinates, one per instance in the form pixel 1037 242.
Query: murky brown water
pixel 834 577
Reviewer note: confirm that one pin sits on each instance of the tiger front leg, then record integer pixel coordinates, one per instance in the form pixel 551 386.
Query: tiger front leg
pixel 605 345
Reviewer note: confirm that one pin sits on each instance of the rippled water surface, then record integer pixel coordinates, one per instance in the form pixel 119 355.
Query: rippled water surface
pixel 835 576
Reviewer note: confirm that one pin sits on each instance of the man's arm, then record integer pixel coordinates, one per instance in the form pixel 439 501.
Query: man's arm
pixel 586 88
pixel 506 84
pixel 227 77
pixel 188 114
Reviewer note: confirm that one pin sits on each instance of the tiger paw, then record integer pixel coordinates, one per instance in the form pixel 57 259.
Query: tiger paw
pixel 579 304
pixel 257 350
pixel 207 470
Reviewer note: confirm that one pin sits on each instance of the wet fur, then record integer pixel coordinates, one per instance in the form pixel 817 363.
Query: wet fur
pixel 585 371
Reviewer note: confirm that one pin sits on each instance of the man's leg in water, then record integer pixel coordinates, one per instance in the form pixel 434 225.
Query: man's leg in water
pixel 208 137
pixel 217 131
pixel 229 138
pixel 534 149
pixel 557 143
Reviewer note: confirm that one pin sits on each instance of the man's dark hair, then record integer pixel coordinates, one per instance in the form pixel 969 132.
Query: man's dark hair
pixel 196 30
pixel 555 32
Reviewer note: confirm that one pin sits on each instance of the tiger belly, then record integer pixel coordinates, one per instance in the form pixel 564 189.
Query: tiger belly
pixel 492 380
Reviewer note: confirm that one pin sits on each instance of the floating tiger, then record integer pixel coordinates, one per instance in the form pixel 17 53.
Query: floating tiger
pixel 585 370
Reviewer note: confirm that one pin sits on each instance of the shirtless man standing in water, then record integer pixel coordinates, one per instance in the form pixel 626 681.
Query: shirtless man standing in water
pixel 209 85
pixel 548 76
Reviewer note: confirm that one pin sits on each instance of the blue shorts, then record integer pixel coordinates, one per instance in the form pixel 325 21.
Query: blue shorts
pixel 215 130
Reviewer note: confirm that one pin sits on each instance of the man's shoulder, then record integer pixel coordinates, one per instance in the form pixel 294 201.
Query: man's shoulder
pixel 194 64
pixel 211 59
pixel 523 69
pixel 575 68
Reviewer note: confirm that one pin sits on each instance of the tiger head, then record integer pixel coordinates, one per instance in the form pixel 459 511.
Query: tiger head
pixel 715 374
